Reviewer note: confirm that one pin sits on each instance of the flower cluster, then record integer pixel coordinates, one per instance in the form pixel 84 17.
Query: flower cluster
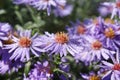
pixel 93 43
pixel 61 8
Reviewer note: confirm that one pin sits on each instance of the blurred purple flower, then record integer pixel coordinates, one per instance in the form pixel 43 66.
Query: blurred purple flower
pixel 47 4
pixel 22 1
pixel 114 7
pixel 63 10
pixel 5 29
pixel 8 66
pixel 22 45
pixel 91 76
pixel 41 71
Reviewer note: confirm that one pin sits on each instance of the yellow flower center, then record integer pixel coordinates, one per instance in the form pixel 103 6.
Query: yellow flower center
pixel 95 21
pixel 108 20
pixel 116 67
pixel 61 37
pixel 24 42
pixel 109 32
pixel 80 30
pixel 96 45
pixel 95 78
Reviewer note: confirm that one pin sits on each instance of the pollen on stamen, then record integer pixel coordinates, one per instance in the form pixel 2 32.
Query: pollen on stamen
pixel 81 30
pixel 61 37
pixel 94 77
pixel 109 32
pixel 24 42
pixel 96 45
pixel 116 67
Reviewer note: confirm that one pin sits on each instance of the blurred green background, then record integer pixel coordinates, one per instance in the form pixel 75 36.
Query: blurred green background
pixel 29 18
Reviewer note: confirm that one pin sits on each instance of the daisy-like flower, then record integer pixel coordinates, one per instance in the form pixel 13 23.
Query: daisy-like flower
pixel 47 4
pixel 94 50
pixel 41 71
pixel 109 34
pixel 22 45
pixel 91 76
pixel 112 69
pixel 63 10
pixel 61 43
pixel 114 8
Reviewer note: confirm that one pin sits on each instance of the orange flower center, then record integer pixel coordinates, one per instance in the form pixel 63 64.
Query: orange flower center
pixel 108 20
pixel 109 32
pixel 24 42
pixel 80 30
pixel 95 78
pixel 97 45
pixel 61 37
pixel 118 4
pixel 116 67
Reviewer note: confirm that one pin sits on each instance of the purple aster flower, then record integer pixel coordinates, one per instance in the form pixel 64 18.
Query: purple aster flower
pixel 22 45
pixel 63 10
pixel 5 29
pixel 61 43
pixel 8 66
pixel 94 50
pixel 94 25
pixel 47 4
pixel 112 69
pixel 91 76
pixel 109 34
pixel 114 8
pixel 105 10
pixel 41 71
pixel 77 28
